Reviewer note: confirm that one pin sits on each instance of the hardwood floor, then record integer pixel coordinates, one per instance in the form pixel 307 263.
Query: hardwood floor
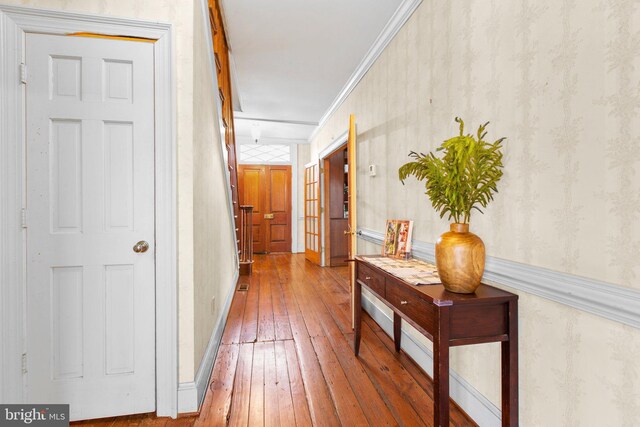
pixel 286 359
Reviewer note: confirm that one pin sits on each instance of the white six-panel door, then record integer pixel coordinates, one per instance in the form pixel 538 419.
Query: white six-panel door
pixel 90 199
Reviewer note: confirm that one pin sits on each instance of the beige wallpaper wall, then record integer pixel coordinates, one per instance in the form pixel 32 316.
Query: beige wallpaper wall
pixel 560 79
pixel 180 13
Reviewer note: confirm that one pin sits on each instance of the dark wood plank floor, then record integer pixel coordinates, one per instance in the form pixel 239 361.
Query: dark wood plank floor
pixel 286 359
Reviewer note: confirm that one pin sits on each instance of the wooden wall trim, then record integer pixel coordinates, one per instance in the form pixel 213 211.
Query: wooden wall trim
pixel 224 102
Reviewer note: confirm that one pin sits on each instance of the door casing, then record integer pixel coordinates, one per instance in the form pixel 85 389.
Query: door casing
pixel 337 144
pixel 14 23
pixel 296 230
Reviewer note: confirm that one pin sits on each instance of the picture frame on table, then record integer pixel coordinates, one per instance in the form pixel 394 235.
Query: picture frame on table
pixel 397 238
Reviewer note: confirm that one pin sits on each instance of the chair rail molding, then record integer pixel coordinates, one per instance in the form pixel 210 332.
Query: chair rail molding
pixel 14 23
pixel 398 19
pixel 603 299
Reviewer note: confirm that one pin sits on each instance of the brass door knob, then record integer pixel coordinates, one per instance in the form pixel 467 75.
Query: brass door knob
pixel 140 247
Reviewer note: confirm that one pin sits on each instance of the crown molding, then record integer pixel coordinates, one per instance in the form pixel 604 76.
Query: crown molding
pixel 238 115
pixel 269 140
pixel 607 300
pixel 398 19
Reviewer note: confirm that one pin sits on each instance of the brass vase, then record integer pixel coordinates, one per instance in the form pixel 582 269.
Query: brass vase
pixel 460 259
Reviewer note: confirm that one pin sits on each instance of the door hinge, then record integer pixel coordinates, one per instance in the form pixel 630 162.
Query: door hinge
pixel 23 218
pixel 24 363
pixel 23 73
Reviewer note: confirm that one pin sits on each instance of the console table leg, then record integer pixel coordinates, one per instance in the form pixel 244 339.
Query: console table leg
pixel 441 370
pixel 397 330
pixel 357 308
pixel 510 370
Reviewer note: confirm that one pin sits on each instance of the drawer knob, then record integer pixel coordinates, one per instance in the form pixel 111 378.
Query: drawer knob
pixel 404 302
pixel 367 278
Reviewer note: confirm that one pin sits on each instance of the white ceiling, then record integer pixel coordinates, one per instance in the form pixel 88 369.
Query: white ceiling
pixel 292 58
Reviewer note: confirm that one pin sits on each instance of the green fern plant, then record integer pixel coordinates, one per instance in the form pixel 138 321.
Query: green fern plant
pixel 464 179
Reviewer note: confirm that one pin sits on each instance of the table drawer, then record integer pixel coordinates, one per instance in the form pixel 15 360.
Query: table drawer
pixel 371 279
pixel 417 309
pixel 479 321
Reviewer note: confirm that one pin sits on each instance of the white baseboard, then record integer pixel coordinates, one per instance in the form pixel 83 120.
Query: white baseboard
pixel 191 394
pixel 464 394
pixel 187 397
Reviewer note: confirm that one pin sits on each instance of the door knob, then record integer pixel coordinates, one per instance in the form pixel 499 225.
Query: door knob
pixel 140 247
pixel 348 231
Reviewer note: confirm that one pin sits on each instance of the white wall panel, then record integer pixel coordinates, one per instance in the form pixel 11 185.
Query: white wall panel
pixel 66 313
pixel 66 77
pixel 118 143
pixel 119 319
pixel 118 81
pixel 66 176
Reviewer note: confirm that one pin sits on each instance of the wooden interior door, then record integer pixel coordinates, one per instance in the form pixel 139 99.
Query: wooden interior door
pixel 277 219
pixel 353 214
pixel 252 190
pixel 268 189
pixel 312 213
pixel 336 213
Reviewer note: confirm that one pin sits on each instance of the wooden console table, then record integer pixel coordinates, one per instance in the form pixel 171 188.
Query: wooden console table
pixel 448 319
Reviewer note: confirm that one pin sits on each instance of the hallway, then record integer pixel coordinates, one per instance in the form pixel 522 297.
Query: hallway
pixel 286 357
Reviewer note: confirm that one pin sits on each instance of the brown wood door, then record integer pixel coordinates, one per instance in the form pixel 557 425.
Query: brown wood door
pixel 278 225
pixel 336 218
pixel 252 190
pixel 268 190
pixel 312 245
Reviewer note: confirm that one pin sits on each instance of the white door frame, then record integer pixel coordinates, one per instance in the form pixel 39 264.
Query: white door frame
pixel 14 23
pixel 293 147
